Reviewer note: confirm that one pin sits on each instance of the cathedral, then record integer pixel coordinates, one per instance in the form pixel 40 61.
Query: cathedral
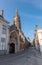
pixel 17 39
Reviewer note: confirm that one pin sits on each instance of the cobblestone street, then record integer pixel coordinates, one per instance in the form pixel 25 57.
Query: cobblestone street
pixel 29 57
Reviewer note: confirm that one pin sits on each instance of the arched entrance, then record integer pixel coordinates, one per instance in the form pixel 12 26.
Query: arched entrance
pixel 12 48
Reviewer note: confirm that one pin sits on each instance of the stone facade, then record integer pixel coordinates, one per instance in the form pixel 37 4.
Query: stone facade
pixel 14 37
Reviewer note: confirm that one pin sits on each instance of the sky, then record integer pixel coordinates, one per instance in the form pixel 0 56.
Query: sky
pixel 30 12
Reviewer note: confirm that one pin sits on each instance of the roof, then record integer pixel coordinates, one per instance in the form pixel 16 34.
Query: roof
pixel 13 27
pixel 4 20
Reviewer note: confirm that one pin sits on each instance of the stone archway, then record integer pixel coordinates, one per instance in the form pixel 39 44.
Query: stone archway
pixel 12 48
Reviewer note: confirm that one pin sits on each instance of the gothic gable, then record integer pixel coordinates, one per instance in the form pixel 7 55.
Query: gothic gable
pixel 13 37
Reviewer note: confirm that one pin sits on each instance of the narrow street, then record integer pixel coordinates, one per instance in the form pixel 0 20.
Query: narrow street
pixel 29 57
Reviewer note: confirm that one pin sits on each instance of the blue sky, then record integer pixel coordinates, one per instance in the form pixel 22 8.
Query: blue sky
pixel 30 12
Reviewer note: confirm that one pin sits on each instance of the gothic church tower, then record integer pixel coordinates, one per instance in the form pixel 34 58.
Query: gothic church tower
pixel 17 20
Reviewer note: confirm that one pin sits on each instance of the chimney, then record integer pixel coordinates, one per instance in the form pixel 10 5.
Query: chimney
pixel 36 27
pixel 1 13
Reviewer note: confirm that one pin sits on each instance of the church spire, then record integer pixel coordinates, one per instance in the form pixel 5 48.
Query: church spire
pixel 16 11
pixel 17 20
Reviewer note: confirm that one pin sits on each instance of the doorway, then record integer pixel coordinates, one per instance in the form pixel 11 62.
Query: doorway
pixel 12 48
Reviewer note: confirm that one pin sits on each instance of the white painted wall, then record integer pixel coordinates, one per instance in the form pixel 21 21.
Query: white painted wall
pixel 40 38
pixel 6 36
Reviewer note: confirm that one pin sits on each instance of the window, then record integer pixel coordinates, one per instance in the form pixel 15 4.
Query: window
pixel 3 43
pixel 4 29
pixel 3 40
